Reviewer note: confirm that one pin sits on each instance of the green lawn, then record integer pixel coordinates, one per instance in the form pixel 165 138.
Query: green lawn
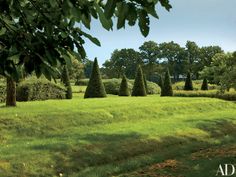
pixel 117 136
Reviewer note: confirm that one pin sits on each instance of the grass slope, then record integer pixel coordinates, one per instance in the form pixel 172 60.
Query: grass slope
pixel 116 136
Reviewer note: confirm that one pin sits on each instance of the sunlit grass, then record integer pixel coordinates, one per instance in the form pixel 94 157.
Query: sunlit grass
pixel 115 136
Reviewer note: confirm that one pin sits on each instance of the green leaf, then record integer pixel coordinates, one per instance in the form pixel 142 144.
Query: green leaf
pixel 151 10
pixel 132 15
pixel 143 22
pixel 86 20
pixel 123 10
pixel 110 8
pixel 107 24
pixel 91 38
pixel 3 31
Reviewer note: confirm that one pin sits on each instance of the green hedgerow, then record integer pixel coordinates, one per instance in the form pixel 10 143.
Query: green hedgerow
pixel 124 87
pixel 139 87
pixel 95 88
pixel 188 82
pixel 167 90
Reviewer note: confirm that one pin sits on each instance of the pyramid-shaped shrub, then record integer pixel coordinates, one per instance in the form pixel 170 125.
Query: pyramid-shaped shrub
pixel 160 82
pixel 167 90
pixel 95 88
pixel 188 82
pixel 139 86
pixel 204 84
pixel 124 89
pixel 66 81
pixel 145 83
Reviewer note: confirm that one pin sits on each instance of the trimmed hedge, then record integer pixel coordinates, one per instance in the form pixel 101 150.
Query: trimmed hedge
pixel 124 88
pixel 39 89
pixel 197 84
pixel 139 88
pixel 2 93
pixel 230 96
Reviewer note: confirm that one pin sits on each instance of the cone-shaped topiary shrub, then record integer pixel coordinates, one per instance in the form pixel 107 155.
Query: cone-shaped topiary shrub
pixel 204 84
pixel 160 82
pixel 188 82
pixel 139 87
pixel 95 88
pixel 124 87
pixel 66 81
pixel 166 90
pixel 145 83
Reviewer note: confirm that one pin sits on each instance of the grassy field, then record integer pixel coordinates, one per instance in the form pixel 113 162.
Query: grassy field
pixel 115 136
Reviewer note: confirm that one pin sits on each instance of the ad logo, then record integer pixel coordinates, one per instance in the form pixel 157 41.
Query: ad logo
pixel 226 170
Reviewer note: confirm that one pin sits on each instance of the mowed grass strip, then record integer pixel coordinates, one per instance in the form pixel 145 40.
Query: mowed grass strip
pixel 116 136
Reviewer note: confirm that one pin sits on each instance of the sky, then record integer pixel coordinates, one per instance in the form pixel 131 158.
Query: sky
pixel 207 22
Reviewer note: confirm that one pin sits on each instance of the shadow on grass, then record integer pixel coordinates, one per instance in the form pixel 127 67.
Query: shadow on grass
pixel 137 155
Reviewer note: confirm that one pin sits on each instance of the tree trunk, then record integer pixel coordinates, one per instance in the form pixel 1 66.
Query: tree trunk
pixel 11 92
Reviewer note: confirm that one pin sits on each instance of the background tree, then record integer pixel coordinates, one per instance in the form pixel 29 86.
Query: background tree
pixel 139 87
pixel 41 35
pixel 124 89
pixel 149 52
pixel 167 86
pixel 188 82
pixel 88 66
pixel 122 61
pixel 95 88
pixel 174 58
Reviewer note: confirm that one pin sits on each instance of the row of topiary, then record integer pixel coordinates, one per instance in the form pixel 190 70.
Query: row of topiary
pixel 96 89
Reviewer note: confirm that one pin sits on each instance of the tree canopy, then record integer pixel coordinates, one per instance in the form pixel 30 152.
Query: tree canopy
pixel 40 35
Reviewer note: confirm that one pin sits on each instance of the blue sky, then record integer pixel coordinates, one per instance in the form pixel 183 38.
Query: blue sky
pixel 207 22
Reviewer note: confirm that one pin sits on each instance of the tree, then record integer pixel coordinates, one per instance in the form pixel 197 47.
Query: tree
pixel 88 66
pixel 175 58
pixel 41 35
pixel 124 89
pixel 188 82
pixel 149 53
pixel 11 92
pixel 66 81
pixel 139 87
pixel 193 51
pixel 167 86
pixel 95 88
pixel 204 84
pixel 122 61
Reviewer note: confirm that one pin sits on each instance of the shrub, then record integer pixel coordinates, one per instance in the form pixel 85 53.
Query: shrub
pixel 145 83
pixel 167 86
pixel 230 96
pixel 139 87
pixel 188 82
pixel 124 88
pixel 95 88
pixel 204 84
pixel 160 82
pixel 2 93
pixel 197 84
pixel 83 82
pixel 39 89
pixel 66 81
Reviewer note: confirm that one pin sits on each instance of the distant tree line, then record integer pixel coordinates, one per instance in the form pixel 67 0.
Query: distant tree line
pixel 155 58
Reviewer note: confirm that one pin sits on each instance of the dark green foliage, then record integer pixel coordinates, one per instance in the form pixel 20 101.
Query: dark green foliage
pixel 160 82
pixel 230 96
pixel 145 83
pixel 188 82
pixel 139 87
pixel 66 81
pixel 2 93
pixel 167 86
pixel 124 88
pixel 39 89
pixel 95 88
pixel 204 84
